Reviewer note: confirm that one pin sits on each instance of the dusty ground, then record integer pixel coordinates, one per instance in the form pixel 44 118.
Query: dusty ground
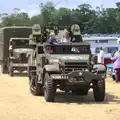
pixel 16 103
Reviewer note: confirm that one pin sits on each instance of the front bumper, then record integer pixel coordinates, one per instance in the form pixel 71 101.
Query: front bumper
pixel 20 65
pixel 78 76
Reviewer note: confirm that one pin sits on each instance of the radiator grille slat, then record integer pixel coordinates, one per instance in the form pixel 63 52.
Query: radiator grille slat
pixel 70 66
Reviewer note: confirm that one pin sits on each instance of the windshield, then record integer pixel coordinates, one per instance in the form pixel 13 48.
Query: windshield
pixel 70 49
pixel 20 43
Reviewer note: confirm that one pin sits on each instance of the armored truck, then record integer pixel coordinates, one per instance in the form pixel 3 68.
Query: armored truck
pixel 18 55
pixel 65 66
pixel 5 34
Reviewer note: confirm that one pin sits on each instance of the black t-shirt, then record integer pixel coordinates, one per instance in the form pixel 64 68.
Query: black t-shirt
pixel 45 35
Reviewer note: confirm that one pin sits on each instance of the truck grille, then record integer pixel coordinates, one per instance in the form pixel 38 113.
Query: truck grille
pixel 69 67
pixel 23 58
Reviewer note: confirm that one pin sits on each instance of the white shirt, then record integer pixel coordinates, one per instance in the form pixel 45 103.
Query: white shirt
pixel 65 40
pixel 101 57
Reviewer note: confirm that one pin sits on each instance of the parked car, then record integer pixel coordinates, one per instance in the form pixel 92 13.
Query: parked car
pixel 110 70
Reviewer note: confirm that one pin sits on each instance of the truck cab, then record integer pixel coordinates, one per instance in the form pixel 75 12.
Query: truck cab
pixel 18 50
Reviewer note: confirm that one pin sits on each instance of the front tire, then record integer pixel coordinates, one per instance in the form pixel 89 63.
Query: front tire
pixel 11 70
pixel 29 74
pixel 99 90
pixel 49 88
pixel 113 77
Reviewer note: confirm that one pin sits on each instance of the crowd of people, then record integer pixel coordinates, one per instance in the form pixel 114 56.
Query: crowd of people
pixel 115 60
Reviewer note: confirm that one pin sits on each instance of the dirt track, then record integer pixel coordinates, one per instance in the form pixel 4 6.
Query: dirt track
pixel 16 103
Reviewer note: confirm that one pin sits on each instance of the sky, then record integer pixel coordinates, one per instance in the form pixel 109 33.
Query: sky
pixel 32 6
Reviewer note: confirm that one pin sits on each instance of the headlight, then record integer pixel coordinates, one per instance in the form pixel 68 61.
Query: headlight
pixel 53 61
pixel 86 70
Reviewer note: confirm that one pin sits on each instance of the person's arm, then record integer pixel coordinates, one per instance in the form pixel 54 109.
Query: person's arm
pixel 50 41
pixel 114 58
pixel 73 39
pixel 61 40
pixel 55 41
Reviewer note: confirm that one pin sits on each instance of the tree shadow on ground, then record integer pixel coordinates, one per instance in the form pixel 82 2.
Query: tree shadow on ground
pixel 88 99
pixel 18 74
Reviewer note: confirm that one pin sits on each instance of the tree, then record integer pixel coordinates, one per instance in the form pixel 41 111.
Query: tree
pixel 99 20
pixel 47 11
pixel 16 18
pixel 64 16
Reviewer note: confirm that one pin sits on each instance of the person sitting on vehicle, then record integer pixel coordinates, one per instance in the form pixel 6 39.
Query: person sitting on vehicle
pixel 45 34
pixel 66 38
pixel 70 32
pixel 52 39
pixel 116 65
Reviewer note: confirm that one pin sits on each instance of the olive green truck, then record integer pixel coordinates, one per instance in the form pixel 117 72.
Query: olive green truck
pixel 13 40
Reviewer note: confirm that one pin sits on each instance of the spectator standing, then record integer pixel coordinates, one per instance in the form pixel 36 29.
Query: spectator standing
pixel 116 65
pixel 101 56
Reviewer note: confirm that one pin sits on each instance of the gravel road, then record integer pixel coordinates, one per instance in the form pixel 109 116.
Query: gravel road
pixel 16 103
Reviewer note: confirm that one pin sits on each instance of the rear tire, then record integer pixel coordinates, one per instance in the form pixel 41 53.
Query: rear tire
pixel 35 88
pixel 99 90
pixel 49 88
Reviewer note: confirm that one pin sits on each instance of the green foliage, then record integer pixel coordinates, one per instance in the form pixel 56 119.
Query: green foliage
pixel 99 20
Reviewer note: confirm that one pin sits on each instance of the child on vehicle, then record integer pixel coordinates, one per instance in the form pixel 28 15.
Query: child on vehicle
pixel 52 39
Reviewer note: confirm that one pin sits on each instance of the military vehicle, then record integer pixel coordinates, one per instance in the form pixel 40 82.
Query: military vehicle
pixel 5 34
pixel 18 55
pixel 65 66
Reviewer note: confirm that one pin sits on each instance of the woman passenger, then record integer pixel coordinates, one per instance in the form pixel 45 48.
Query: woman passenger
pixel 66 38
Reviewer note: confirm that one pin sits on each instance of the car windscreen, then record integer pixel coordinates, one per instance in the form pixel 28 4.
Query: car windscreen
pixel 20 43
pixel 70 49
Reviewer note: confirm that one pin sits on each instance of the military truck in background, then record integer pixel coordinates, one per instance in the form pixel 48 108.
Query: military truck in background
pixel 18 55
pixel 65 66
pixel 6 33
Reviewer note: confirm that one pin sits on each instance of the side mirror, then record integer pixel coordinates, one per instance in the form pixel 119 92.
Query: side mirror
pixel 34 54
